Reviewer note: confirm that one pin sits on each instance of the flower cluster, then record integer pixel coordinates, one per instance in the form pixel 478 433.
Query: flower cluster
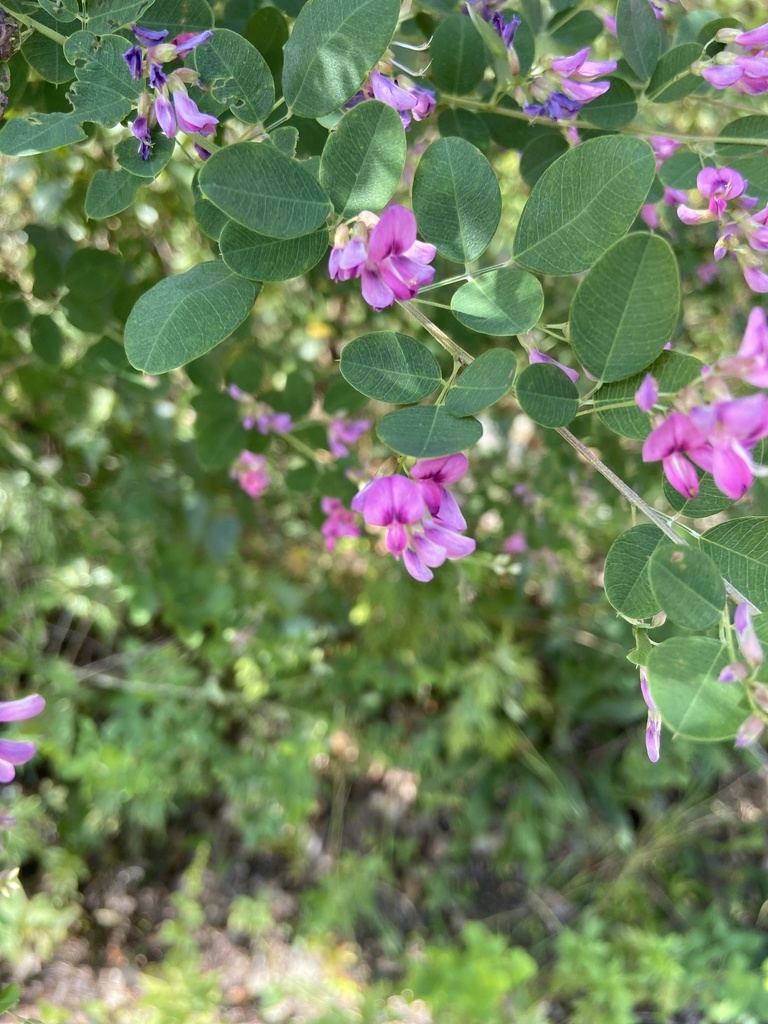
pixel 663 149
pixel 561 87
pixel 745 68
pixel 383 251
pixel 424 523
pixel 743 234
pixel 411 101
pixel 342 433
pixel 340 522
pixel 250 471
pixel 15 752
pixel 166 101
pixel 711 429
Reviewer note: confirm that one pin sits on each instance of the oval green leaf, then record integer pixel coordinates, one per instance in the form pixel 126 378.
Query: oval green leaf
pixel 614 108
pixel 482 383
pixel 109 193
pixel 458 56
pixel 625 310
pixel 237 75
pixel 39 133
pixel 363 159
pixel 270 259
pixel 501 303
pixel 683 681
pixel 390 367
pixel 182 317
pixel 547 395
pixel 739 549
pixel 127 153
pixel 456 199
pixel 688 586
pixel 260 188
pixel 625 576
pixel 583 203
pixel 743 129
pixel 540 154
pixel 639 35
pixel 615 402
pixel 669 83
pixel 708 502
pixel 427 432
pixel 333 46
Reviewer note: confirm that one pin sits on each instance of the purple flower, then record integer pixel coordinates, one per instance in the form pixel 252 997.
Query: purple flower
pixel 506 29
pixel 756 278
pixel 340 522
pixel 535 356
pixel 558 106
pixel 754 347
pixel 730 429
pixel 134 58
pixel 749 731
pixel 187 41
pixel 140 128
pixel 745 631
pixel 670 441
pixel 720 186
pixel 165 115
pixel 577 64
pixel 392 264
pixel 653 736
pixel 756 37
pixel 515 544
pixel 410 101
pixel 345 432
pixel 157 77
pixel 15 752
pixel 647 394
pixel 279 422
pixel 733 673
pixel 149 37
pixel 191 120
pixel 390 501
pixel 251 473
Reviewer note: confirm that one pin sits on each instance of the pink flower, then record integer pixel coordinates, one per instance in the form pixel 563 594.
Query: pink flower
pixel 745 631
pixel 191 120
pixel 720 186
pixel 756 37
pixel 515 544
pixel 750 730
pixel 15 752
pixel 392 264
pixel 670 441
pixel 647 394
pixel 251 473
pixel 535 356
pixel 577 64
pixel 340 522
pixel 731 428
pixel 345 432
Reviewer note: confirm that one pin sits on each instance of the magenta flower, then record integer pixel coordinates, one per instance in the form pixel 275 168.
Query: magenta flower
pixel 577 64
pixel 340 522
pixel 733 673
pixel 653 724
pixel 515 544
pixel 345 432
pixel 411 101
pixel 670 441
pixel 751 361
pixel 392 264
pixel 720 185
pixel 757 37
pixel 280 422
pixel 647 394
pixel 745 631
pixel 15 752
pixel 251 473
pixel 730 428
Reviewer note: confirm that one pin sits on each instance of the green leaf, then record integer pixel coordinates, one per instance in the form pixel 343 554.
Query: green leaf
pixel 615 402
pixel 182 317
pixel 390 367
pixel 625 576
pixel 237 75
pixel 104 91
pixel 482 383
pixel 46 57
pixel 708 502
pixel 260 188
pixel 363 159
pixel 683 681
pixel 467 125
pixel 127 153
pixel 571 30
pixel 427 432
pixel 91 272
pixel 270 259
pixel 61 10
pixel 219 434
pixel 333 46
pixel 177 16
pixel 458 55
pixel 739 549
pixel 105 16
pixel 744 129
pixel 9 997
pixel 583 203
pixel 456 199
pixel 267 30
pixel 39 133
pixel 286 139
pixel 681 169
pixel 500 303
pixel 639 35
pixel 626 308
pixel 109 193
pixel 539 154
pixel 547 395
pixel 669 82
pixel 46 340
pixel 688 586
pixel 614 108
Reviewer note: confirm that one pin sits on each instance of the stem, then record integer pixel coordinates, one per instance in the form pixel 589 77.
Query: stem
pixel 464 277
pixel 42 29
pixel 458 353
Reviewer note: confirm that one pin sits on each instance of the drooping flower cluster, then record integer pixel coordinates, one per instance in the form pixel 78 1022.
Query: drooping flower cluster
pixel 562 85
pixel 250 471
pixel 412 102
pixel 743 234
pixel 166 101
pixel 383 251
pixel 16 752
pixel 424 523
pixel 743 67
pixel 711 429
